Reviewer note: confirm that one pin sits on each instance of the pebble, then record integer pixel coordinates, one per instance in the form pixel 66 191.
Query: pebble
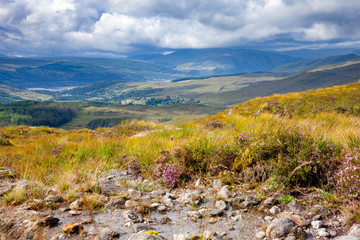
pixel 260 235
pixel 316 224
pixel 221 205
pixel 323 232
pixel 275 210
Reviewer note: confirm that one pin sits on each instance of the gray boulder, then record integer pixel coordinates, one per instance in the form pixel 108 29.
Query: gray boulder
pixel 279 228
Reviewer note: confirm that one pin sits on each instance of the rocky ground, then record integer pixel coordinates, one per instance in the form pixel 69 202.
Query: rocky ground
pixel 126 210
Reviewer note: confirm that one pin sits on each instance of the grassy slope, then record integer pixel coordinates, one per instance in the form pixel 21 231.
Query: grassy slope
pixel 314 130
pixel 10 94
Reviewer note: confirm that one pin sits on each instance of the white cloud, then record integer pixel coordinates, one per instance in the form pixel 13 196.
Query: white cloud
pixel 63 26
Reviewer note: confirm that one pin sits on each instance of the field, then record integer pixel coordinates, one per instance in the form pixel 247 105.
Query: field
pixel 284 143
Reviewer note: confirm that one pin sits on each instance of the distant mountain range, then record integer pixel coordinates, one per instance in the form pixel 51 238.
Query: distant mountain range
pixel 219 61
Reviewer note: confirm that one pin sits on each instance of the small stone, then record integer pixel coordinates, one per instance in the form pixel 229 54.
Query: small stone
pixel 140 226
pixel 117 202
pixel 238 217
pixel 348 237
pixel 336 223
pixel 224 192
pixel 296 207
pixel 169 203
pixel 212 220
pixel 316 224
pixel 131 204
pixel 142 235
pixel 134 194
pixel 162 208
pixel 74 213
pixel 231 228
pixel 53 199
pixel 180 236
pixel 269 202
pixel 221 205
pixel 86 221
pixel 132 216
pixel 268 218
pixel 333 233
pixel 217 184
pixel 47 221
pixel 194 214
pixel 323 232
pixel 290 238
pixel 279 228
pixel 76 205
pixel 260 235
pixel 154 205
pixel 157 193
pixel 208 234
pixel 354 230
pixel 165 220
pixel 250 201
pixel 317 217
pixel 275 210
pixel 197 183
pixel 73 228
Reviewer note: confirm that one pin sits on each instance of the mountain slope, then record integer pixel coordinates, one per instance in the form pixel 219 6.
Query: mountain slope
pixel 49 73
pixel 304 66
pixel 220 60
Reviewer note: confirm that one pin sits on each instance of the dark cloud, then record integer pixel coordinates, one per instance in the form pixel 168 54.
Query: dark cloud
pixel 47 27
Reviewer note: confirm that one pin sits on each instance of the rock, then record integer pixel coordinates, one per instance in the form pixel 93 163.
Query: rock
pixel 268 218
pixel 131 204
pixel 169 203
pixel 117 202
pixel 275 210
pixel 279 228
pixel 260 235
pixel 145 235
pixel 76 205
pixel 296 207
pixel 317 217
pixel 323 232
pixel 53 199
pixel 6 173
pixel 134 194
pixel 290 238
pixel 197 183
pixel 354 231
pixel 162 208
pixel 333 233
pixel 86 221
pixel 212 220
pixel 48 221
pixel 132 217
pixel 348 237
pixel 59 237
pixel 194 214
pixel 73 228
pixel 221 205
pixel 74 213
pixel 165 220
pixel 107 234
pixel 249 201
pixel 318 209
pixel 109 183
pixel 217 184
pixel 140 227
pixel 269 202
pixel 157 193
pixel 180 236
pixel 316 224
pixel 186 198
pixel 208 234
pixel 224 192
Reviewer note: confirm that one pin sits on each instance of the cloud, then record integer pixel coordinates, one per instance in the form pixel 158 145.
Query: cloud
pixel 65 27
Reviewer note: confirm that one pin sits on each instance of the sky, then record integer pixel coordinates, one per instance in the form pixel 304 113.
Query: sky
pixel 123 27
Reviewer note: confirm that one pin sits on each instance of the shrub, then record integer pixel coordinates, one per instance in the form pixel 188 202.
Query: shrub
pixel 348 175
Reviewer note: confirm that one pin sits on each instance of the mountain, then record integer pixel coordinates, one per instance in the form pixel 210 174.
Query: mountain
pixel 310 54
pixel 60 72
pixel 220 60
pixel 321 78
pixel 304 66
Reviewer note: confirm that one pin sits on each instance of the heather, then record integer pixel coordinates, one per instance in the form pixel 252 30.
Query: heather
pixel 281 143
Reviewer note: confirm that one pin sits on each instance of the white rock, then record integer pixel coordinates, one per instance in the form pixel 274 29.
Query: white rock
pixel 74 212
pixel 76 205
pixel 323 232
pixel 169 203
pixel 217 184
pixel 208 234
pixel 268 218
pixel 224 192
pixel 354 230
pixel 221 205
pixel 316 224
pixel 275 210
pixel 260 235
pixel 180 236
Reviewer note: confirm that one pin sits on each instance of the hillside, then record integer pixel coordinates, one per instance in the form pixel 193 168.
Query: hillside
pixel 10 94
pixel 304 66
pixel 299 146
pixel 220 60
pixel 69 72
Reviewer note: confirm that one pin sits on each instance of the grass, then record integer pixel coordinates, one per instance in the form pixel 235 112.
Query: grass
pixel 297 140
